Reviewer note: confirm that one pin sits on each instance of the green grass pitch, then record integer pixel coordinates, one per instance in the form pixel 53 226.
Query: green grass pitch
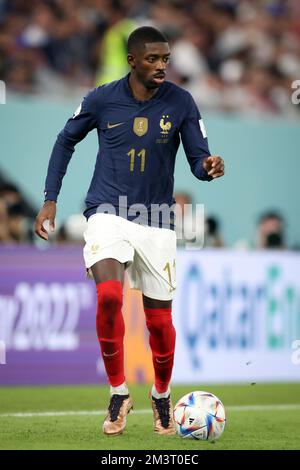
pixel 262 416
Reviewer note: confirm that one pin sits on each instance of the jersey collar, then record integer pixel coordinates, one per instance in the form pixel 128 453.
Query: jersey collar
pixel 130 94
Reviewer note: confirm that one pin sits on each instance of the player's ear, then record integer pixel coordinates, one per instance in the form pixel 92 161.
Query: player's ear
pixel 131 60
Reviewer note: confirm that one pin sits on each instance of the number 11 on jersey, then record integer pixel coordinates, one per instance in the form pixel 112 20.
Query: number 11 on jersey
pixel 141 154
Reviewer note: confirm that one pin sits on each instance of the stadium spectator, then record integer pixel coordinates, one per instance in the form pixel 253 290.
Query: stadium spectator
pixel 13 196
pixel 113 63
pixel 213 237
pixel 271 231
pixel 16 215
pixel 5 236
pixel 18 224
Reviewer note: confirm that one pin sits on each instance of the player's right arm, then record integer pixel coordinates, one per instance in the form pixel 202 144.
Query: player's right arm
pixel 75 130
pixel 47 212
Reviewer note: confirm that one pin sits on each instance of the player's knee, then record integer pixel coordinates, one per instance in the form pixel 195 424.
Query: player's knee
pixel 160 324
pixel 110 302
pixel 110 297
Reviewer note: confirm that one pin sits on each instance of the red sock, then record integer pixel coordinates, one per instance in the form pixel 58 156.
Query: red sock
pixel 110 329
pixel 162 343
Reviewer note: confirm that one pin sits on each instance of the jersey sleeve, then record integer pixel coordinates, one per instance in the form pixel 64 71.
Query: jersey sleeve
pixel 194 141
pixel 83 121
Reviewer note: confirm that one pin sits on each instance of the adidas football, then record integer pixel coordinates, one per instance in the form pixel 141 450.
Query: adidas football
pixel 199 415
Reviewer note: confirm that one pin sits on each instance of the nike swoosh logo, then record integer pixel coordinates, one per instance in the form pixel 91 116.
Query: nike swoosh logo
pixel 110 126
pixel 110 355
pixel 162 362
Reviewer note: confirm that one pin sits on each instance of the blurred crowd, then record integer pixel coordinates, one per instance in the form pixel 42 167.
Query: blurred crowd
pixel 17 217
pixel 234 56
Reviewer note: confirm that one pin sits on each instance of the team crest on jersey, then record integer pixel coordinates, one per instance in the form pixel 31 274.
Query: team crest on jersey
pixel 165 125
pixel 140 126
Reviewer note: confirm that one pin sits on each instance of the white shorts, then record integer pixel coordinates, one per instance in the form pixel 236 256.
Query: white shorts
pixel 148 252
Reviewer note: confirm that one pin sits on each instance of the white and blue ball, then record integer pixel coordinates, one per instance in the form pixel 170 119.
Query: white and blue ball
pixel 199 415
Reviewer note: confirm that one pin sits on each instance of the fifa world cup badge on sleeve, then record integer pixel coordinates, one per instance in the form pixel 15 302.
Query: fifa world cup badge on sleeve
pixel 202 128
pixel 77 111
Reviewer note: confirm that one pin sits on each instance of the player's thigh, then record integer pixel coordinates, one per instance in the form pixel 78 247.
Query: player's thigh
pixel 155 264
pixel 155 303
pixel 107 270
pixel 107 250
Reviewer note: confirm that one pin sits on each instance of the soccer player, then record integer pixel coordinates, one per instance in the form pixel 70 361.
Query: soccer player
pixel 139 120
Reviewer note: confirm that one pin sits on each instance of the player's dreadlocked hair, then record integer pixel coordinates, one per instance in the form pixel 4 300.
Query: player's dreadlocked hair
pixel 140 36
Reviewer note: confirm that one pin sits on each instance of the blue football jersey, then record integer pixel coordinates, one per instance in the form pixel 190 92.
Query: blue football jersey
pixel 138 142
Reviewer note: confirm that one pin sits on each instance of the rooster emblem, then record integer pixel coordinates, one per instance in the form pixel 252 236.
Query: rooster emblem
pixel 165 126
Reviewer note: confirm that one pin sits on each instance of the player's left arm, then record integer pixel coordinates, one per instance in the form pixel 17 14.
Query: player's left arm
pixel 204 166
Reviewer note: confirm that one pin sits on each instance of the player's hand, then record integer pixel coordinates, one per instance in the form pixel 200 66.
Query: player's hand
pixel 47 212
pixel 214 165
